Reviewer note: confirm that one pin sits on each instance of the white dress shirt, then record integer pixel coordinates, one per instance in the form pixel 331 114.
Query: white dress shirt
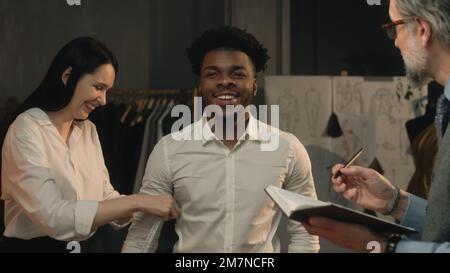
pixel 224 207
pixel 51 188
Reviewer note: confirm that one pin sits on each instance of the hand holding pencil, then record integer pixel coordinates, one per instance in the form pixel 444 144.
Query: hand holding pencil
pixel 363 186
pixel 350 162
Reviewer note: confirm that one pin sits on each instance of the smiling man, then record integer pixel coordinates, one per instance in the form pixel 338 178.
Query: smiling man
pixel 219 182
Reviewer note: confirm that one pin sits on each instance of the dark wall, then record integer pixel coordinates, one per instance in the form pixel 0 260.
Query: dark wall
pixel 149 38
pixel 173 26
pixel 31 32
pixel 328 36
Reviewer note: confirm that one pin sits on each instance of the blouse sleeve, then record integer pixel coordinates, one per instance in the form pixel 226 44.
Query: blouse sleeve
pixel 28 181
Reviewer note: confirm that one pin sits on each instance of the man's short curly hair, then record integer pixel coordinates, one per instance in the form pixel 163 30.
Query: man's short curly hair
pixel 227 38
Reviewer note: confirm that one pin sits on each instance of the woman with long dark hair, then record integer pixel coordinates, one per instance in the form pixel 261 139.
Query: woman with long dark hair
pixel 55 184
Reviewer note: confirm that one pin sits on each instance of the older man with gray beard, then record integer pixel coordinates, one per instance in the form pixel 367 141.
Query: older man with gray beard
pixel 421 30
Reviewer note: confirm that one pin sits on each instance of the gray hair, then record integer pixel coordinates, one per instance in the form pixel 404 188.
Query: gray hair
pixel 435 12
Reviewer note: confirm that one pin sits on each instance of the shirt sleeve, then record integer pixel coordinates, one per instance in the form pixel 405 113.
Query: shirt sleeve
pixel 415 217
pixel 32 186
pixel 406 246
pixel 108 190
pixel 145 230
pixel 415 214
pixel 300 180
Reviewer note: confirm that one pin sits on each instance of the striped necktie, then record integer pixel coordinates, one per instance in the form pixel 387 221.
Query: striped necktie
pixel 442 115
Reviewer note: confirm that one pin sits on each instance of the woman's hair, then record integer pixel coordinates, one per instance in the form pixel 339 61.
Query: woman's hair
pixel 83 55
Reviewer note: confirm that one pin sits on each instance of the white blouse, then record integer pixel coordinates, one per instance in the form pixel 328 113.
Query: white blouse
pixel 51 188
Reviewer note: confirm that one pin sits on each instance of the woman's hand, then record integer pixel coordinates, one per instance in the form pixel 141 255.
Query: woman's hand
pixel 163 206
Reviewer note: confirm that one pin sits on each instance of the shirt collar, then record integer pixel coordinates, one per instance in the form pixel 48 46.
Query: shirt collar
pixel 447 89
pixel 251 132
pixel 206 133
pixel 39 116
pixel 43 119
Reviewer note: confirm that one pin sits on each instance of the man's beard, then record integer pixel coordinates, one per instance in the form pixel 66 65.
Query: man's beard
pixel 417 64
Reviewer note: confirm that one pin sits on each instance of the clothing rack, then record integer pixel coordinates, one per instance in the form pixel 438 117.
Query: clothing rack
pixel 132 116
pixel 143 100
pixel 134 96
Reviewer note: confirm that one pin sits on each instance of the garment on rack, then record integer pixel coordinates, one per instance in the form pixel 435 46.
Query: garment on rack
pixel 120 142
pixel 158 124
pixel 147 145
pixel 161 119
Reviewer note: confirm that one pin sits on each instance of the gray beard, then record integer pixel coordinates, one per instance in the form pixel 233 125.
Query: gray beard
pixel 418 66
pixel 417 79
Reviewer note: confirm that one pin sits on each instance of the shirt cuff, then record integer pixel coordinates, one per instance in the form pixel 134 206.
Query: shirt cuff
pixel 415 213
pixel 116 225
pixel 405 246
pixel 310 249
pixel 85 212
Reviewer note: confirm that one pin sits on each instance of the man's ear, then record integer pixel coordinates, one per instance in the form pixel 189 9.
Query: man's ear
pixel 65 75
pixel 255 87
pixel 424 30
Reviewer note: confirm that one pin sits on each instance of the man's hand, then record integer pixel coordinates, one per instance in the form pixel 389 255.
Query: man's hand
pixel 365 187
pixel 347 235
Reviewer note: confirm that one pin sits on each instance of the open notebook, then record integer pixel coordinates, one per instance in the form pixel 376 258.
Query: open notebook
pixel 300 208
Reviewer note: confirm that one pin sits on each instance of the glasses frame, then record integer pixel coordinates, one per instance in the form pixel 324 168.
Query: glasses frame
pixel 391 28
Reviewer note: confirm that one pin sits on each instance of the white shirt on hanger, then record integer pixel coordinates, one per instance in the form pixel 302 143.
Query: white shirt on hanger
pixel 51 188
pixel 224 207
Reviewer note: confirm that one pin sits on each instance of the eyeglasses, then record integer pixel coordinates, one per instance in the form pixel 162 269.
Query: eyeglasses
pixel 391 29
